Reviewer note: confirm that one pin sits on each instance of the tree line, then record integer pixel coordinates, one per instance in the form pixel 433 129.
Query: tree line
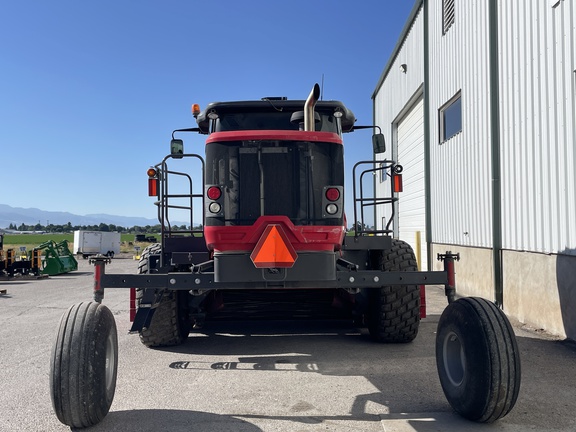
pixel 68 228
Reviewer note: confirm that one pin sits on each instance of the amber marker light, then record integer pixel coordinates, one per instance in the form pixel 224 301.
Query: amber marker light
pixel 153 181
pixel 195 110
pixel 398 186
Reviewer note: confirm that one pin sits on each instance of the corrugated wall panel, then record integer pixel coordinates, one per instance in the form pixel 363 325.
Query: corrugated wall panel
pixel 460 167
pixel 411 208
pixel 537 124
pixel 396 90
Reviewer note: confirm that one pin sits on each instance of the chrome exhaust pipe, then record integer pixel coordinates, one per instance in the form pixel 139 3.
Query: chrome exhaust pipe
pixel 309 108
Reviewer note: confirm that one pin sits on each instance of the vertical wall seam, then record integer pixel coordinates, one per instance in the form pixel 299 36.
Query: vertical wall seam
pixel 495 145
pixel 427 175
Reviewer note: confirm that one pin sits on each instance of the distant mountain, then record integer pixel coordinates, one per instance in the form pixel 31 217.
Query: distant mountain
pixel 32 216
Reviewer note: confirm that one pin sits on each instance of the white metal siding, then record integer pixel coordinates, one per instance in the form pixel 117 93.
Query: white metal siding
pixel 412 204
pixel 538 118
pixel 537 73
pixel 396 90
pixel 460 168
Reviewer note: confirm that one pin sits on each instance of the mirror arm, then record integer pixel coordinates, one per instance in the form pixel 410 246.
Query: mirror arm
pixel 185 130
pixel 369 127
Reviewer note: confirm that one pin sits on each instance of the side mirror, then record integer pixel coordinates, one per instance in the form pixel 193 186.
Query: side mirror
pixel 177 147
pixel 378 143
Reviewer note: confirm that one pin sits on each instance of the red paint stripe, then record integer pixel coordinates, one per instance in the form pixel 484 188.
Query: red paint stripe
pixel 282 135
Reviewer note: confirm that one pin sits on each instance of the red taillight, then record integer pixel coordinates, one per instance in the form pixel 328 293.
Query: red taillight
pixel 152 187
pixel 214 192
pixel 332 194
pixel 397 182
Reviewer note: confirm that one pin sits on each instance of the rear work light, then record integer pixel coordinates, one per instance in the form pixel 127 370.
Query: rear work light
pixel 332 201
pixel 331 209
pixel 332 194
pixel 214 192
pixel 214 208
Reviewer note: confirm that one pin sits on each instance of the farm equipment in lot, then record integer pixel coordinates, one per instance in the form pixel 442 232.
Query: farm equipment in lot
pixel 12 263
pixel 57 258
pixel 144 238
pixel 49 258
pixel 272 200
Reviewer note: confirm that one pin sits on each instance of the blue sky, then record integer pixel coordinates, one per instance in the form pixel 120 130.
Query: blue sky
pixel 91 91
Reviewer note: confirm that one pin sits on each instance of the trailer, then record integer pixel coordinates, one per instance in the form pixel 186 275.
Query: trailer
pixel 271 201
pixel 89 243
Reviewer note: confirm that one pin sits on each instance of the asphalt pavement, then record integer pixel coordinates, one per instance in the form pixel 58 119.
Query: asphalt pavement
pixel 318 375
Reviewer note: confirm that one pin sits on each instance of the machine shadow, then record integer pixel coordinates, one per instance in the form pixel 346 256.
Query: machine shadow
pixel 326 347
pixel 404 375
pixel 153 420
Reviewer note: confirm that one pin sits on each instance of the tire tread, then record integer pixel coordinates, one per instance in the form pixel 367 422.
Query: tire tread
pixel 499 367
pixel 76 380
pixel 394 316
pixel 165 327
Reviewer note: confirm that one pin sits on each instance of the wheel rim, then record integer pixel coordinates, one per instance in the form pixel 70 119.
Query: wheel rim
pixel 454 359
pixel 110 362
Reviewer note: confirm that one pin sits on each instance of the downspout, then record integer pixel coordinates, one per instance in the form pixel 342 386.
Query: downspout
pixel 427 143
pixel 495 146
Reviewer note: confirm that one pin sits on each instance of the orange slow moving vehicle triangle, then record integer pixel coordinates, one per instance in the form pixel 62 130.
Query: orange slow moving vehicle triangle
pixel 273 249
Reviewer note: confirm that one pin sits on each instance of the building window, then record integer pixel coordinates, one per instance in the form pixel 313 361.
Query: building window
pixel 450 118
pixel 448 15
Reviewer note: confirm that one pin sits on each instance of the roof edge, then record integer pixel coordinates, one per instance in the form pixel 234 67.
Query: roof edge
pixel 409 23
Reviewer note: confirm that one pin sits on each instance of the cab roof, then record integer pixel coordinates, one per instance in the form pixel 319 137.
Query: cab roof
pixel 270 105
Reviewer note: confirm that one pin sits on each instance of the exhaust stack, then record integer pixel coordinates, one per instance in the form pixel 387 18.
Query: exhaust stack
pixel 309 108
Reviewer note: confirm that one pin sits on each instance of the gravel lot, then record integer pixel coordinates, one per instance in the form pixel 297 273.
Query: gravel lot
pixel 262 376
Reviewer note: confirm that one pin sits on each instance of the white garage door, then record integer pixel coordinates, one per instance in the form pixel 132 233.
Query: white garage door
pixel 412 204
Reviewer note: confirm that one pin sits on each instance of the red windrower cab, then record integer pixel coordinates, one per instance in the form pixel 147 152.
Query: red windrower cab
pixel 273 210
pixel 267 228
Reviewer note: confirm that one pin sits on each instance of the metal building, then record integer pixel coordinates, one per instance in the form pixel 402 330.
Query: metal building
pixel 478 102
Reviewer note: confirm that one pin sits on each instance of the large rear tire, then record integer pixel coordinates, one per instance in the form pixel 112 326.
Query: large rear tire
pixel 394 311
pixel 478 359
pixel 170 324
pixel 84 364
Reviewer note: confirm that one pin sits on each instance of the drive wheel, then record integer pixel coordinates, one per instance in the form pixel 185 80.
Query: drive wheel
pixel 84 364
pixel 394 311
pixel 477 359
pixel 170 324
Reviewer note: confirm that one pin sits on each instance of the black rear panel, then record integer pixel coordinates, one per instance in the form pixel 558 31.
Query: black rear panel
pixel 270 178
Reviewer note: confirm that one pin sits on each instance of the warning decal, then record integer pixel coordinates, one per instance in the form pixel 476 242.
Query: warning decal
pixel 273 249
